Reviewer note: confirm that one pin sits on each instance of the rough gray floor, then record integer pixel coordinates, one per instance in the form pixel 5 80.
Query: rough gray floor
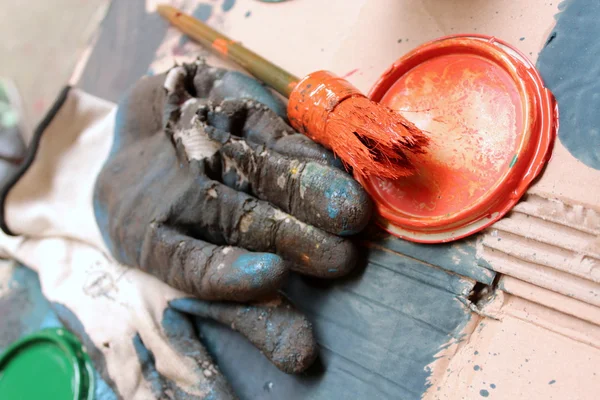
pixel 41 40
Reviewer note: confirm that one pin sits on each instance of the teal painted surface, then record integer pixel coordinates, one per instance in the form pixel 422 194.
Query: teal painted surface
pixel 378 331
pixel 569 66
pixel 459 257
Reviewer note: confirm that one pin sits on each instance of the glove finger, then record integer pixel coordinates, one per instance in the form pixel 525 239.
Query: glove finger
pixel 319 195
pixel 274 327
pixel 209 382
pixel 221 215
pixel 218 84
pixel 208 271
pixel 259 125
pixel 303 148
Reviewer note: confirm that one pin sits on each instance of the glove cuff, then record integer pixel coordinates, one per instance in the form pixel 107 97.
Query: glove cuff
pixel 29 156
pixel 51 192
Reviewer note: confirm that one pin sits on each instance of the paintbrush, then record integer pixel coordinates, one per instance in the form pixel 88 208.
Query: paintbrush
pixel 368 137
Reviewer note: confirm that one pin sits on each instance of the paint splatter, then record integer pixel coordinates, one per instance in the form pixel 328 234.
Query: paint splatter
pixel 476 352
pixel 521 39
pixel 492 385
pixel 399 40
pixel 552 382
pixel 513 161
pixel 248 14
pixel 477 368
pixel 203 12
pixel 571 74
pixel 484 393
pixel 227 5
pixel 349 74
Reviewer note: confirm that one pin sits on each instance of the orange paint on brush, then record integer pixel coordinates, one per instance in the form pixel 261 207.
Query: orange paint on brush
pixel 369 137
pixel 374 139
pixel 292 85
pixel 222 46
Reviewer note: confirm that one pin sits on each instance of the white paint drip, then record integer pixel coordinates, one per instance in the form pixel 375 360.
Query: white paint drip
pixel 174 76
pixel 197 144
pixel 281 182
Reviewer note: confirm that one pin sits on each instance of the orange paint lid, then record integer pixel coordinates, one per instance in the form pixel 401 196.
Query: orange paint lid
pixel 492 124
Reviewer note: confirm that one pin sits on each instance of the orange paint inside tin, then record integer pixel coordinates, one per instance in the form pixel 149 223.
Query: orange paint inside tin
pixel 472 111
pixel 491 124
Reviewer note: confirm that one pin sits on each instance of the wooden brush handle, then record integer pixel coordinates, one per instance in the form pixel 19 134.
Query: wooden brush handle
pixel 275 77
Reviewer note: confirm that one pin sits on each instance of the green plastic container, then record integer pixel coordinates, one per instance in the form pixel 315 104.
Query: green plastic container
pixel 49 364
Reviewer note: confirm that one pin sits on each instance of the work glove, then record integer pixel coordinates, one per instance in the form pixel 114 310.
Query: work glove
pixel 136 329
pixel 215 195
pixel 194 180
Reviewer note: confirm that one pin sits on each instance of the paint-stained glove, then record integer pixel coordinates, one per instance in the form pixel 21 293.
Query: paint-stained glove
pixel 213 194
pixel 163 184
pixel 190 173
pixel 135 327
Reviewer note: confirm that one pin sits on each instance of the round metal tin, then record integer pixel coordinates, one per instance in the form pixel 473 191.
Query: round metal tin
pixel 492 124
pixel 49 364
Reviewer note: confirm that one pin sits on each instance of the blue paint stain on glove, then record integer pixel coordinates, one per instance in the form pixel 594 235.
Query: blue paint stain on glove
pixel 258 266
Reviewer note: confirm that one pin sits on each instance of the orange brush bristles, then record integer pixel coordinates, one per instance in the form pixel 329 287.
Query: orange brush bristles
pixel 367 136
pixel 373 139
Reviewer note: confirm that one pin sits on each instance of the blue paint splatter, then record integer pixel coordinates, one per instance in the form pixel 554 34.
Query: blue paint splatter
pixel 211 395
pixel 477 368
pixel 120 129
pixel 183 40
pixel 493 386
pixel 227 5
pixel 521 39
pixel 484 393
pixel 332 270
pixel 102 391
pixel 572 75
pixel 203 12
pixel 248 14
pixel 341 195
pixel 552 382
pixel 258 267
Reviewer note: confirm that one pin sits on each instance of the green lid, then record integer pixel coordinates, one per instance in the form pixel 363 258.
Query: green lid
pixel 49 364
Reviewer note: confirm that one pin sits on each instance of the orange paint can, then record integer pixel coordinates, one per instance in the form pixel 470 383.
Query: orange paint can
pixel 492 124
